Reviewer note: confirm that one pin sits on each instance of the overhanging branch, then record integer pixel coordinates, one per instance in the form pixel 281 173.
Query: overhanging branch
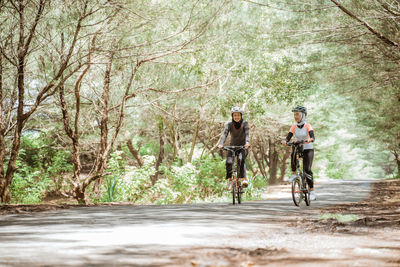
pixel 372 30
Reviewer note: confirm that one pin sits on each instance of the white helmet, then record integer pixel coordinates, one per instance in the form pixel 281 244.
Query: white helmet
pixel 236 109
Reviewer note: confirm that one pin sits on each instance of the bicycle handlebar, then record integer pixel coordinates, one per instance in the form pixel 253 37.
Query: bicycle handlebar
pixel 296 143
pixel 232 148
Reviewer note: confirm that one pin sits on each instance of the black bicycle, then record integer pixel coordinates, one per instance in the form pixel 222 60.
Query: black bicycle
pixel 300 187
pixel 237 189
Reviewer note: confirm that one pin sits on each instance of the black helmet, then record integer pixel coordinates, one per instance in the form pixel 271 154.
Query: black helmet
pixel 236 109
pixel 300 109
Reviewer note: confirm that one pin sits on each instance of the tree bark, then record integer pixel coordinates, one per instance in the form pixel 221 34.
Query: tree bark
pixel 273 163
pixel 5 192
pixel 2 133
pixel 135 153
pixel 172 136
pixel 154 178
pixel 260 166
pixel 73 135
pixel 397 158
pixel 208 146
pixel 195 134
pixel 283 164
pixel 251 167
pixel 101 161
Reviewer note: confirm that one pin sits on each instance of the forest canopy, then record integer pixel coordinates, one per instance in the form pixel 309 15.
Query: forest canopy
pixel 104 101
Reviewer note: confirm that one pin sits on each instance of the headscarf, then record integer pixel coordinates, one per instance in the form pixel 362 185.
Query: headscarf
pixel 302 120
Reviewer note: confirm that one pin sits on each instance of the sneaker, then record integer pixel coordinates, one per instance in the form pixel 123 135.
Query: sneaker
pixel 292 177
pixel 244 183
pixel 313 196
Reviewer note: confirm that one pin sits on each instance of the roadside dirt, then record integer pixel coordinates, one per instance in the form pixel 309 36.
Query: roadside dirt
pixel 19 208
pixel 50 206
pixel 370 238
pixel 380 210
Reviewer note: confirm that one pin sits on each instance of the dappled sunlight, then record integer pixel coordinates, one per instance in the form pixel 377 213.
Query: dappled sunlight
pixel 271 229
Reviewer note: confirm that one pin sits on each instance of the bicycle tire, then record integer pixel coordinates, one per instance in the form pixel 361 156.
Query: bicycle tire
pixel 307 194
pixel 239 195
pixel 233 192
pixel 297 194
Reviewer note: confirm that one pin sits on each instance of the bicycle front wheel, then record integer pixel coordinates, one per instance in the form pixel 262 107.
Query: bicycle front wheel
pixel 239 195
pixel 233 192
pixel 297 194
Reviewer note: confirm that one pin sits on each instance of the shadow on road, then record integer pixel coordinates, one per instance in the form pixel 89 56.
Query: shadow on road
pixel 140 235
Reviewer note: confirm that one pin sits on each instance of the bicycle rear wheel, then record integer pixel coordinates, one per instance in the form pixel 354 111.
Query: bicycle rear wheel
pixel 239 195
pixel 233 192
pixel 297 194
pixel 307 194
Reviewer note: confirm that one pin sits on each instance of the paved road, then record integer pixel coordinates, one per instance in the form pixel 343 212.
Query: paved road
pixel 154 235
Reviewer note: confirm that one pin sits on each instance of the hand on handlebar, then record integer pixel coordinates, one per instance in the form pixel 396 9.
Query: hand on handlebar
pixel 220 146
pixel 284 142
pixel 295 143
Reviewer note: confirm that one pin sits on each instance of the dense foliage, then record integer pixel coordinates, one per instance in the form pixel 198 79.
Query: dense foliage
pixel 126 100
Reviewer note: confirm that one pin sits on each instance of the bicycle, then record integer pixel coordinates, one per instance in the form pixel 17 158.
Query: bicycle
pixel 300 187
pixel 237 189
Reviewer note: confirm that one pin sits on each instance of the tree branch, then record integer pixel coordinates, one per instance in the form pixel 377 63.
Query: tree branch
pixel 372 30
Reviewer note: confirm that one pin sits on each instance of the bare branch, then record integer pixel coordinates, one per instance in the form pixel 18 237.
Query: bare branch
pixel 188 88
pixel 283 9
pixel 376 33
pixel 34 25
pixel 386 7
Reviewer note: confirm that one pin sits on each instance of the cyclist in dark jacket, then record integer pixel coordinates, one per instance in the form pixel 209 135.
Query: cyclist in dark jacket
pixel 239 130
pixel 303 131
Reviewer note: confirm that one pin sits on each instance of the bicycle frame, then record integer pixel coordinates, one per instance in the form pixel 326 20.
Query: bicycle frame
pixel 237 189
pixel 304 190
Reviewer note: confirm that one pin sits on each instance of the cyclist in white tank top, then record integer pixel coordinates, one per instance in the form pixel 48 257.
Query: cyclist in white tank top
pixel 303 131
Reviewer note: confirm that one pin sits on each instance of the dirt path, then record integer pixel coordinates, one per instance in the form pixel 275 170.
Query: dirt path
pixel 260 233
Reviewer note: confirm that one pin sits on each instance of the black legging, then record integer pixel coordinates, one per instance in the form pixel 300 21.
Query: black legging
pixel 242 164
pixel 308 156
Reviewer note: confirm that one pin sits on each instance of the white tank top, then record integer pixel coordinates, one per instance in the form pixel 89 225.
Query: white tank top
pixel 301 134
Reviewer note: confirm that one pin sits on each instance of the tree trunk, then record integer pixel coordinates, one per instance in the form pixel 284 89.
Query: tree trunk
pixel 154 178
pixel 79 192
pixel 2 132
pixel 397 157
pixel 209 147
pixel 73 135
pixel 283 165
pixel 273 164
pixel 173 137
pixel 195 134
pixel 260 165
pixel 12 166
pixel 135 153
pixel 254 172
pixel 101 161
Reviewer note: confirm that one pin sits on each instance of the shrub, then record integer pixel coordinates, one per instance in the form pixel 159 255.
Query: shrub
pixel 29 185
